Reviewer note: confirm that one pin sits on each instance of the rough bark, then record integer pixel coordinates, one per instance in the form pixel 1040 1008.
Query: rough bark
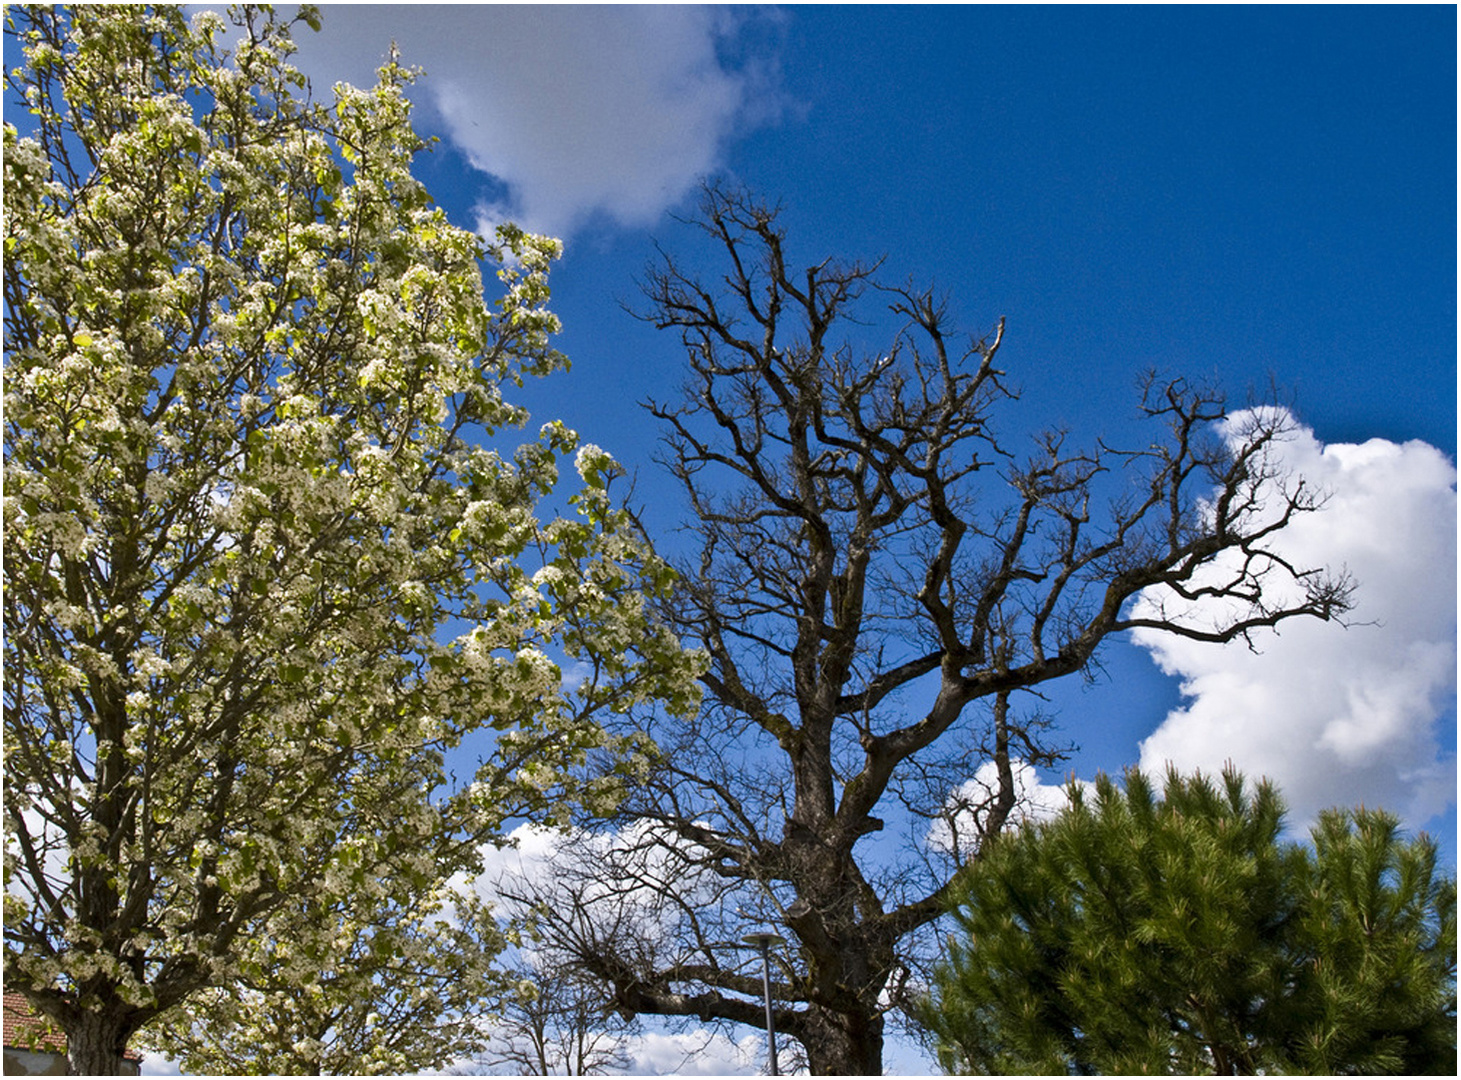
pixel 96 1043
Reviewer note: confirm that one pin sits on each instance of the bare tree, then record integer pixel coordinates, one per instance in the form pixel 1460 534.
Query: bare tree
pixel 559 1024
pixel 877 578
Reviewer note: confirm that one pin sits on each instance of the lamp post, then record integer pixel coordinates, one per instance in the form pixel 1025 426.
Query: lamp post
pixel 765 940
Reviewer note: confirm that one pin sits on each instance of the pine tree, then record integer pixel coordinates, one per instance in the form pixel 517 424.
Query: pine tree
pixel 1133 934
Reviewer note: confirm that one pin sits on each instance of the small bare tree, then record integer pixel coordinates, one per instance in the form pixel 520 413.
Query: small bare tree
pixel 559 1024
pixel 876 577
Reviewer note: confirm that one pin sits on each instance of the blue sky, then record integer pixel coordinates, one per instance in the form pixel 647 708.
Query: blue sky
pixel 1257 194
pixel 1264 196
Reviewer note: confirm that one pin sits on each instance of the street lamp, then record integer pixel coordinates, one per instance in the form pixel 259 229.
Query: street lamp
pixel 765 940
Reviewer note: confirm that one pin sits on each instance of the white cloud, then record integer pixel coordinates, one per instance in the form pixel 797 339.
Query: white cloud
pixel 578 110
pixel 958 829
pixel 638 877
pixel 529 858
pixel 695 1053
pixel 155 1064
pixel 50 844
pixel 1338 716
pixel 554 863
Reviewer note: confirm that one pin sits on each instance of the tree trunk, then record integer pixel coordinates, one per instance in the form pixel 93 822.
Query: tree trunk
pixel 96 1043
pixel 843 1044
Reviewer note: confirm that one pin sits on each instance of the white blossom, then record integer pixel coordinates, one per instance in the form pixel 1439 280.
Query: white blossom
pixel 254 587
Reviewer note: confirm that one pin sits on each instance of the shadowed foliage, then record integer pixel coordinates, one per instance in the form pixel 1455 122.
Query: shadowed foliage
pixel 1135 934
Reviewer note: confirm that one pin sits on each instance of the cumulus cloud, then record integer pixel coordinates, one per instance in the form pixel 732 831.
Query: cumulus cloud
pixel 626 874
pixel 958 830
pixel 576 111
pixel 529 857
pixel 551 864
pixel 695 1053
pixel 155 1064
pixel 49 842
pixel 1335 715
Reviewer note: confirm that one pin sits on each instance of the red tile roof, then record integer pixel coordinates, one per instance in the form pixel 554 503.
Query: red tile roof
pixel 20 1022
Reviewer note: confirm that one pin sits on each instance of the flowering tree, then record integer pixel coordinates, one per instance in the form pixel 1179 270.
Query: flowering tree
pixel 403 984
pixel 267 555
